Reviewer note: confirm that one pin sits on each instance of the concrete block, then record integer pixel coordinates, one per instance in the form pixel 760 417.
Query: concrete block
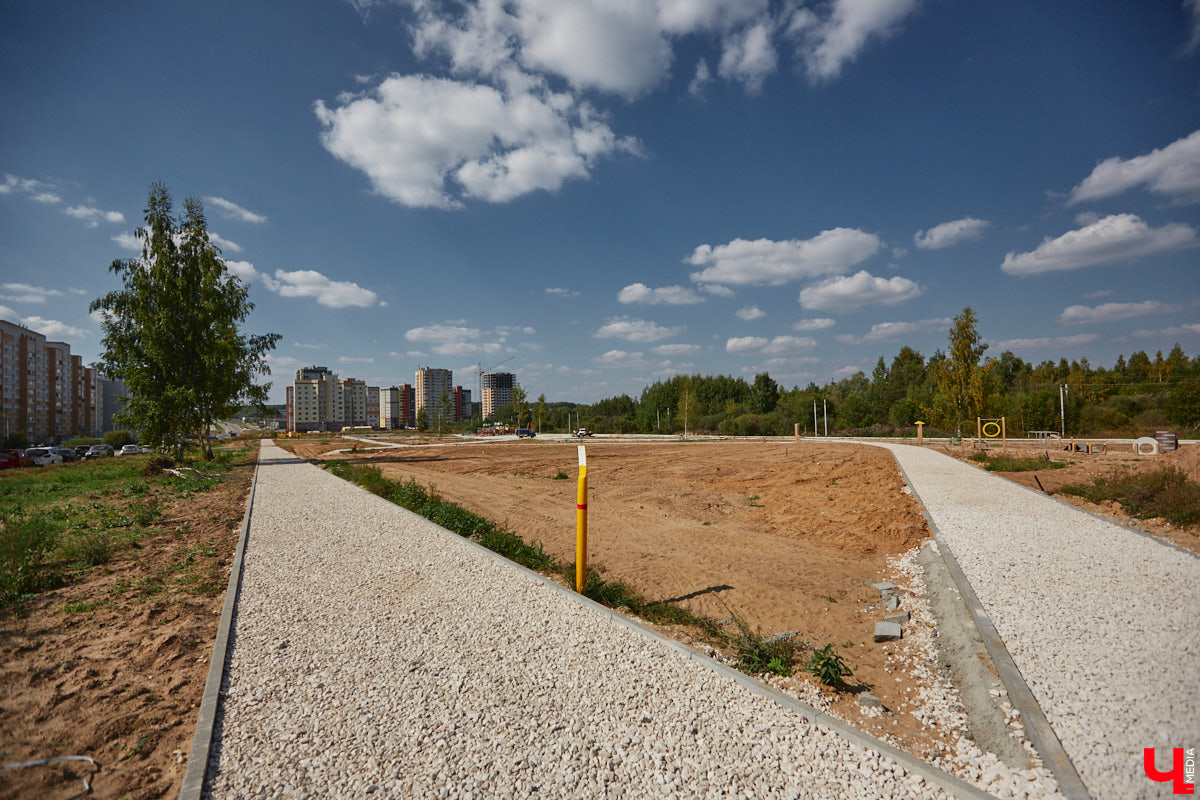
pixel 899 618
pixel 868 700
pixel 885 586
pixel 888 631
pixel 891 601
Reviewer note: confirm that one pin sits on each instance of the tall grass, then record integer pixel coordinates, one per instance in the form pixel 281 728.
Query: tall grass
pixel 1166 493
pixel 24 545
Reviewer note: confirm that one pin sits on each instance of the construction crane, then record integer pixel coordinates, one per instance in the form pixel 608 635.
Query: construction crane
pixel 479 380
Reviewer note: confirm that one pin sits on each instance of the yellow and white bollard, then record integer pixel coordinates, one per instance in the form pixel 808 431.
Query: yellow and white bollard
pixel 581 525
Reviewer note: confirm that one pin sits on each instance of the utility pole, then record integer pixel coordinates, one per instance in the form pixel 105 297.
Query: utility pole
pixel 1062 409
pixel 816 430
pixel 825 410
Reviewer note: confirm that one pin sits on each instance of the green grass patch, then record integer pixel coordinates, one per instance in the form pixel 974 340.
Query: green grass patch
pixel 1015 464
pixel 24 567
pixel 1166 493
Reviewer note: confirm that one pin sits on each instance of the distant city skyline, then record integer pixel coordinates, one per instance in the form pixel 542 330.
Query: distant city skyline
pixel 598 196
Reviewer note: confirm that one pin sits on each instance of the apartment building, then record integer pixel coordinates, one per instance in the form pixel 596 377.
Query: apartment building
pixel 45 392
pixel 396 408
pixel 431 385
pixel 463 408
pixel 497 391
pixel 373 406
pixel 354 403
pixel 317 401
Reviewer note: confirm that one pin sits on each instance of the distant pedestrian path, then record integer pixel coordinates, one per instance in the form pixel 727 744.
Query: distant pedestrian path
pixel 1104 623
pixel 377 655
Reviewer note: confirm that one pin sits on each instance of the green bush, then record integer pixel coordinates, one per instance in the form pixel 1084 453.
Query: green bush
pixel 24 544
pixel 118 439
pixel 1166 493
pixel 828 667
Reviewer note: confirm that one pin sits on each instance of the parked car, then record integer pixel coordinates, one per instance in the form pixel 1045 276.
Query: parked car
pixel 98 451
pixel 525 433
pixel 10 459
pixel 43 455
pixel 582 432
pixel 81 449
pixel 129 450
pixel 67 454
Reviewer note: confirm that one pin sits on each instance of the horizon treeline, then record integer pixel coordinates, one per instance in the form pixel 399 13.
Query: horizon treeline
pixel 947 391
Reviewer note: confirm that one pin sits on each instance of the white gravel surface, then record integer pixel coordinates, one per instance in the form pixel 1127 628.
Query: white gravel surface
pixel 376 655
pixel 1101 621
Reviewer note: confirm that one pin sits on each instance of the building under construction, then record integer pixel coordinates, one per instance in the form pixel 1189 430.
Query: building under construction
pixel 496 391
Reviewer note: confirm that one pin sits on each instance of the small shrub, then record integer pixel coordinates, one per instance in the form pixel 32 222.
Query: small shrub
pixel 23 548
pixel 1015 463
pixel 561 476
pixel 828 667
pixel 158 465
pixel 757 654
pixel 1166 493
pixel 89 550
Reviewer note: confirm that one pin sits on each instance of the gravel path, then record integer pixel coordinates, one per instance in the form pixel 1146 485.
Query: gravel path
pixel 375 654
pixel 1101 621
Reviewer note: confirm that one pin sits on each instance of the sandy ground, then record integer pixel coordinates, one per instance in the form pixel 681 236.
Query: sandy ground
pixel 122 681
pixel 787 537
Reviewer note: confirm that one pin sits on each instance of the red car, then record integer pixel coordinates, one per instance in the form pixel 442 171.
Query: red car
pixel 14 458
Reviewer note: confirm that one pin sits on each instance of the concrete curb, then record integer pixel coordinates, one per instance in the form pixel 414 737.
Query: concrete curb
pixel 1040 732
pixel 951 784
pixel 197 764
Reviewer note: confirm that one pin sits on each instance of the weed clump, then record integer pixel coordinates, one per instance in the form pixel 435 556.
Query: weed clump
pixel 24 544
pixel 828 667
pixel 1014 463
pixel 1166 493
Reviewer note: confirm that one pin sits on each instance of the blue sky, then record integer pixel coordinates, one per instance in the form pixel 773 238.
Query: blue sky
pixel 599 194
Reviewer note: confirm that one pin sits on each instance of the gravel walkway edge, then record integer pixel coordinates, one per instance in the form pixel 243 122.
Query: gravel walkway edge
pixel 194 783
pixel 1037 726
pixel 197 763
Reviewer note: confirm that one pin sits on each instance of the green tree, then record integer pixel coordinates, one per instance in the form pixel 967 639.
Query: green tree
pixel 519 402
pixel 172 333
pixel 444 411
pixel 764 394
pixel 117 439
pixel 540 410
pixel 422 419
pixel 960 376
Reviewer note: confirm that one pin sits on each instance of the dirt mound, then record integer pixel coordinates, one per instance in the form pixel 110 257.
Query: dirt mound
pixel 1186 458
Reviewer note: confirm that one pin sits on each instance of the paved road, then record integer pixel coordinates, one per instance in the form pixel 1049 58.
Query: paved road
pixel 375 654
pixel 1104 623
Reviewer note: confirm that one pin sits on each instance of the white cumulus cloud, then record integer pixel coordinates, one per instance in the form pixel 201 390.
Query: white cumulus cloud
pixel 1047 343
pixel 749 56
pixel 950 233
pixel 231 210
pixel 560 292
pixel 93 216
pixel 25 293
pixel 635 330
pixel 53 329
pixel 858 290
pixel 780 345
pixel 429 142
pixel 1112 312
pixel 891 331
pixel 815 324
pixel 666 295
pixel 676 349
pixel 772 263
pixel 1120 237
pixel 621 358
pixel 749 313
pixel 834 36
pixel 327 292
pixel 1173 171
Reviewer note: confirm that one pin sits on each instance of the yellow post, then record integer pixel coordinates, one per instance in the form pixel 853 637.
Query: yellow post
pixel 581 525
pixel 920 432
pixel 1003 435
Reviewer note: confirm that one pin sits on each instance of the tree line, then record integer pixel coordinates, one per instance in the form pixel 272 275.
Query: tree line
pixel 947 390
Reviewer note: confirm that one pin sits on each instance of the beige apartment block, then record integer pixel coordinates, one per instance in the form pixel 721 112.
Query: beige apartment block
pixel 354 402
pixel 45 392
pixel 318 401
pixel 432 385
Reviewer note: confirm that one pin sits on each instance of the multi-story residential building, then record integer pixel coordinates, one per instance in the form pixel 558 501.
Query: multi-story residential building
pixel 354 402
pixel 318 401
pixel 497 392
pixel 408 405
pixel 373 406
pixel 462 404
pixel 44 390
pixel 432 385
pixel 396 408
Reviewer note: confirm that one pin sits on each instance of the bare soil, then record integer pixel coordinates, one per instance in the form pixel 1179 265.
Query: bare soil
pixel 119 675
pixel 787 537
